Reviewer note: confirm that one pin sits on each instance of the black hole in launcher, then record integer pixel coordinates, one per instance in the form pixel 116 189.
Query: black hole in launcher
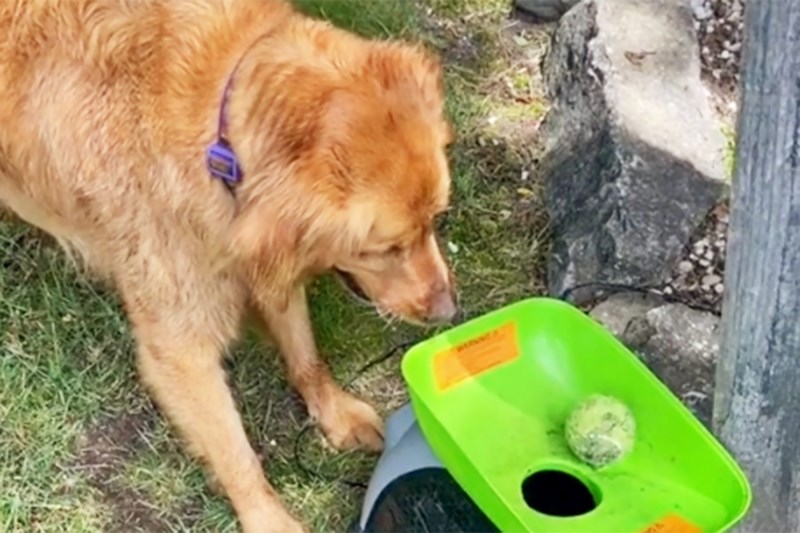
pixel 556 493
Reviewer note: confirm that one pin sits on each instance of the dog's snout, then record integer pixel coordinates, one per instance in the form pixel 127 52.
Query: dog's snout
pixel 443 306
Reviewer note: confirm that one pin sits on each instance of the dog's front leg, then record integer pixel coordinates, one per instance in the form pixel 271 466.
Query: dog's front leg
pixel 346 421
pixel 186 379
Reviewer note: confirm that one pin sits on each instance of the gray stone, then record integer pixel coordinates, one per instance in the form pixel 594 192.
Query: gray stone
pixel 633 154
pixel 701 9
pixel 545 10
pixel 618 310
pixel 680 345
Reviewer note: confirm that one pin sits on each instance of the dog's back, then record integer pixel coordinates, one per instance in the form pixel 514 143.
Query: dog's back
pixel 106 110
pixel 98 96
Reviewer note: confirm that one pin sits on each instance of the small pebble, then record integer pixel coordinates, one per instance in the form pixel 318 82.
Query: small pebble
pixel 685 267
pixel 711 280
pixel 720 38
pixel 709 255
pixel 719 288
pixel 668 290
pixel 704 262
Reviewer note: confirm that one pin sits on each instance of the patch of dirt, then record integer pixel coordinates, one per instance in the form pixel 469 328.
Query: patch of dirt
pixel 453 44
pixel 719 25
pixel 520 85
pixel 102 453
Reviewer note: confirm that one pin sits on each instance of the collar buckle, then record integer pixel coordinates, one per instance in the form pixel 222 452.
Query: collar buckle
pixel 222 163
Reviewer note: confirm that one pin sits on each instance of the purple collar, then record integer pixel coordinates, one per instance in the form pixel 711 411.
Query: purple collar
pixel 221 160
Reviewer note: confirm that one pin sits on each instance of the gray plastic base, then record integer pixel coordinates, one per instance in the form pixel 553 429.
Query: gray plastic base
pixel 412 491
pixel 405 450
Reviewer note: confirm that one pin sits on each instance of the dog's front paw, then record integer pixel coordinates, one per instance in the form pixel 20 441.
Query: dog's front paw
pixel 351 423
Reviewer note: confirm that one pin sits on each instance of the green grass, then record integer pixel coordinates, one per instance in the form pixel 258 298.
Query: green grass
pixel 729 132
pixel 67 374
pixel 384 19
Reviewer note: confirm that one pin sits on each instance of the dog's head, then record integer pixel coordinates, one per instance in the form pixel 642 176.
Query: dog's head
pixel 361 193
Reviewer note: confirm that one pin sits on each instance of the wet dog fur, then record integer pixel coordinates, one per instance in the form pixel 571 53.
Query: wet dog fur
pixel 106 109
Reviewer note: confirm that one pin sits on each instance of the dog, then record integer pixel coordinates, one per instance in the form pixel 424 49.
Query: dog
pixel 209 158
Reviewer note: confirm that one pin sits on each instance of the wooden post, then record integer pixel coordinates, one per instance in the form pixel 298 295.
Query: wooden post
pixel 757 399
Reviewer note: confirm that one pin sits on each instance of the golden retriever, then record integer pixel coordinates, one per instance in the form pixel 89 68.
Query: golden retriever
pixel 107 110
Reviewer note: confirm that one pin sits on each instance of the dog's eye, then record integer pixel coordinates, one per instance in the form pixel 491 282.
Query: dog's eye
pixel 395 249
pixel 391 251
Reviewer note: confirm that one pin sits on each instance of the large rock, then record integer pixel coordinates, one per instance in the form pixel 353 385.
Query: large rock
pixel 679 344
pixel 619 310
pixel 634 153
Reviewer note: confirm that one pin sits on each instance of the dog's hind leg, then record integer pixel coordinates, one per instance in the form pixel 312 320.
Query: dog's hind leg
pixel 346 421
pixel 182 370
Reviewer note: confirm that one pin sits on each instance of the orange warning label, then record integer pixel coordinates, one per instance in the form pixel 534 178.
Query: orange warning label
pixel 476 356
pixel 672 524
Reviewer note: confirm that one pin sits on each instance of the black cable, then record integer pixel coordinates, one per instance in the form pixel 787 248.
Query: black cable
pixel 308 471
pixel 646 289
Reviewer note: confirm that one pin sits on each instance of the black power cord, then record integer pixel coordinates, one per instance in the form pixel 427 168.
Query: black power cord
pixel 400 348
pixel 395 350
pixel 647 289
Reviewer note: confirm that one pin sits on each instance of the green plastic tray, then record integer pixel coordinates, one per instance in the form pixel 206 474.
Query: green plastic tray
pixel 491 397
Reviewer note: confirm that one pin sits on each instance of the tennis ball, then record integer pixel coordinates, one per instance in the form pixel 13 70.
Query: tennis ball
pixel 600 430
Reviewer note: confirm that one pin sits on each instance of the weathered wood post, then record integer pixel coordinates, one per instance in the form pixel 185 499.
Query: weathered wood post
pixel 757 399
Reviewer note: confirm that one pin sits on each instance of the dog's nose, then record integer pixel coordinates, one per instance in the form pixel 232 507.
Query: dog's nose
pixel 443 307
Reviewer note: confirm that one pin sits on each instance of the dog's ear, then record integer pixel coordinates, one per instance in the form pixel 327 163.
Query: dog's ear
pixel 410 71
pixel 274 248
pixel 280 243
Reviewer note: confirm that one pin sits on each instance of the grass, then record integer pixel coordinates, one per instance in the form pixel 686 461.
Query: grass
pixel 81 448
pixel 729 156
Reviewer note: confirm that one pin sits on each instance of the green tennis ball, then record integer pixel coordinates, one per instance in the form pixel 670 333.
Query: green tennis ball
pixel 600 430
